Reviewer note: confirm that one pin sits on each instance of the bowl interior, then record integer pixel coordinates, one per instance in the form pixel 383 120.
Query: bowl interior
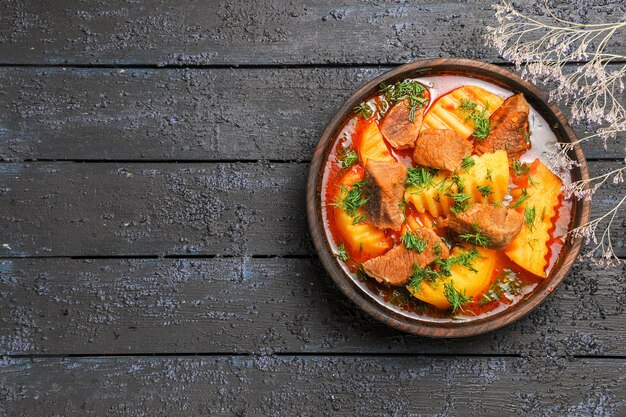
pixel 386 312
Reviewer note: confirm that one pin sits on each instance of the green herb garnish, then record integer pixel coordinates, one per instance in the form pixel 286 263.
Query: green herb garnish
pixel 507 287
pixel 341 253
pixel 485 190
pixel 520 168
pixel 477 238
pixel 529 218
pixel 525 196
pixel 402 90
pixel 456 298
pixel 364 110
pixel 347 157
pixel 421 177
pixel 467 105
pixel 460 202
pixel 480 118
pixel 456 179
pixel 468 162
pixel 352 198
pixel 413 242
pixel 488 176
pixel 358 219
pixel 420 275
pixel 465 259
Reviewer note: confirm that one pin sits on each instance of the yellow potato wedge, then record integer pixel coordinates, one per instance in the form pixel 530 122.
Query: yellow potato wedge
pixel 445 113
pixel 362 240
pixel 472 283
pixel 489 170
pixel 369 143
pixel 431 198
pixel 530 247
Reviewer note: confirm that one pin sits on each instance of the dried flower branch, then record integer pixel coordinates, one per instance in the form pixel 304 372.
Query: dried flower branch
pixel 541 50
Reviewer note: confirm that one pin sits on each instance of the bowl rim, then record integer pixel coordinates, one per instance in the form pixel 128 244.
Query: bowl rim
pixel 476 69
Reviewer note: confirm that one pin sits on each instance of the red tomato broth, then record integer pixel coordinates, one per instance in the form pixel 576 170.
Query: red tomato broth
pixel 399 296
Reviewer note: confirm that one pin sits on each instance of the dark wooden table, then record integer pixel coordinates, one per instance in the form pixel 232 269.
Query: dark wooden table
pixel 155 255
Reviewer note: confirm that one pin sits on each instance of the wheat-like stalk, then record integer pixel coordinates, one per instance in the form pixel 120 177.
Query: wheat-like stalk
pixel 540 50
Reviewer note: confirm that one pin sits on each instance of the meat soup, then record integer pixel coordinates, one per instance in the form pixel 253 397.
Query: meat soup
pixel 438 199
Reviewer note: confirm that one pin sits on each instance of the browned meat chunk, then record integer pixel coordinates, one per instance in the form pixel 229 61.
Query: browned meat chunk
pixel 396 127
pixel 384 190
pixel 441 149
pixel 396 266
pixel 497 225
pixel 509 129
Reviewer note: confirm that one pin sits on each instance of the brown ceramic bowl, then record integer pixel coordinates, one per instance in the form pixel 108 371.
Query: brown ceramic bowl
pixel 356 291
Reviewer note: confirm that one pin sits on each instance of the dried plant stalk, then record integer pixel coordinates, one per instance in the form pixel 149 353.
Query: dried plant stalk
pixel 593 90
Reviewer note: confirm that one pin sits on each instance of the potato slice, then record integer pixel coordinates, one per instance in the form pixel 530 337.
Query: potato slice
pixel 530 247
pixel 362 241
pixel 489 170
pixel 473 283
pixel 431 198
pixel 369 143
pixel 445 113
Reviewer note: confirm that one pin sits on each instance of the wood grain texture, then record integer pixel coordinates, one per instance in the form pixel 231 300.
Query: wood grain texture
pixel 184 114
pixel 108 307
pixel 113 209
pixel 258 31
pixel 307 386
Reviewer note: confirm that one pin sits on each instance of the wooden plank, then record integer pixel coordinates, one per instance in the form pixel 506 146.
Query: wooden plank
pixel 289 386
pixel 242 305
pixel 114 209
pixel 147 114
pixel 259 32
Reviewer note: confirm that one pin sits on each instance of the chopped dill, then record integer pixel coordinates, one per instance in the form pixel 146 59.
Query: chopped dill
pixel 358 219
pixel 420 275
pixel 507 286
pixel 411 90
pixel 456 179
pixel 468 162
pixel 347 157
pixel 465 259
pixel 520 168
pixel 467 105
pixel 421 177
pixel 485 190
pixel 488 176
pixel 413 242
pixel 352 198
pixel 341 253
pixel 482 126
pixel 460 202
pixel 520 200
pixel 529 218
pixel 476 238
pixel 456 298
pixel 364 110
pixel 437 249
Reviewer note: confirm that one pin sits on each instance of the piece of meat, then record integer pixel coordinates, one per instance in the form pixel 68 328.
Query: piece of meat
pixel 396 266
pixel 396 127
pixel 509 129
pixel 498 224
pixel 384 190
pixel 441 149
